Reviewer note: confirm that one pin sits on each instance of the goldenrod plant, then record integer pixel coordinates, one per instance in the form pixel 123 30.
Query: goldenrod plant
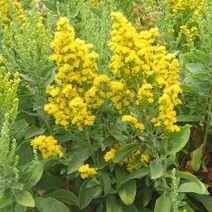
pixel 100 106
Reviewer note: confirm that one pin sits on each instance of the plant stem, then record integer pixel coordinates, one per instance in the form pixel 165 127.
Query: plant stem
pixel 208 119
pixel 89 145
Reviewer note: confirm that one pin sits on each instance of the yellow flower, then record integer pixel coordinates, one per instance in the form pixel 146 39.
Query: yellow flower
pixel 145 159
pixel 134 121
pixel 86 171
pixel 5 8
pixel 48 146
pixel 110 155
pixel 79 90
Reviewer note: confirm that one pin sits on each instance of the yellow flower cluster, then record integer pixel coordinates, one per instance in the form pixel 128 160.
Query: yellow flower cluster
pixel 120 96
pixel 147 71
pixel 178 6
pixel 137 159
pixel 79 89
pixel 145 94
pixel 86 171
pixel 133 161
pixel 94 3
pixel 48 146
pixel 145 159
pixel 7 6
pixel 190 10
pixel 109 155
pixel 133 121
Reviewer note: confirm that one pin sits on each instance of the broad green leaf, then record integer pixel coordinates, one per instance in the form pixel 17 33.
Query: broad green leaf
pixel 147 195
pixel 120 137
pixel 178 140
pixel 33 131
pixel 65 196
pixel 106 182
pixel 205 200
pixel 50 204
pixel 201 56
pixel 20 208
pixel 24 198
pixel 6 199
pixel 121 174
pixel 96 12
pixel 137 174
pixel 50 5
pixel 130 208
pixel 163 204
pixel 196 158
pixel 75 163
pixel 188 118
pixel 123 152
pixel 50 182
pixel 191 187
pixel 33 174
pixel 187 208
pixel 85 195
pixel 156 169
pixel 195 67
pixel 97 192
pixel 112 205
pixel 127 192
pixel 192 178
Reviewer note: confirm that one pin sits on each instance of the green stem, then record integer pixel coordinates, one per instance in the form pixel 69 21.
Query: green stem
pixel 87 134
pixel 208 120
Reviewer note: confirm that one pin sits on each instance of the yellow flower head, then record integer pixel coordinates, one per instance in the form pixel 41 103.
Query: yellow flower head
pixel 134 121
pixel 48 146
pixel 86 171
pixel 110 155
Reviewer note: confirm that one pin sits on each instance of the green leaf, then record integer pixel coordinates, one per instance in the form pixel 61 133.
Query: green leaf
pixel 196 158
pixel 191 187
pixel 201 56
pixel 24 198
pixel 188 118
pixel 6 199
pixel 50 204
pixel 195 67
pixel 85 195
pixel 33 174
pixel 112 205
pixel 33 131
pixel 127 192
pixel 106 182
pixel 130 208
pixel 187 208
pixel 147 195
pixel 121 174
pixel 119 137
pixel 137 174
pixel 65 196
pixel 50 5
pixel 178 140
pixel 97 192
pixel 205 200
pixel 156 169
pixel 50 182
pixel 192 178
pixel 75 163
pixel 163 204
pixel 96 12
pixel 123 152
pixel 20 208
